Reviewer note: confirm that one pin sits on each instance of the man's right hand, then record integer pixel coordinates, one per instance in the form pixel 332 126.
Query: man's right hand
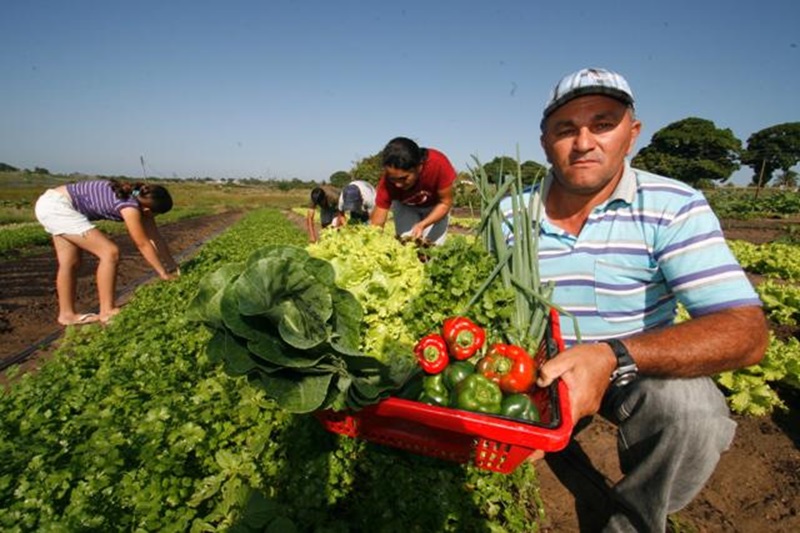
pixel 585 369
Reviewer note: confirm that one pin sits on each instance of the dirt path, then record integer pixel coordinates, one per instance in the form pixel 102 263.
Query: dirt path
pixel 756 486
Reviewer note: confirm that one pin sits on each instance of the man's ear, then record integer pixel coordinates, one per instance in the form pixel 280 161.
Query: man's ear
pixel 636 129
pixel 544 147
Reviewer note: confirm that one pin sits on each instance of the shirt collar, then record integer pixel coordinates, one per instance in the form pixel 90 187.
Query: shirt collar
pixel 626 188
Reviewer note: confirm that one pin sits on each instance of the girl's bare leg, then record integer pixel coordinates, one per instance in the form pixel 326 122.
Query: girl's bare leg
pixel 69 259
pixel 107 253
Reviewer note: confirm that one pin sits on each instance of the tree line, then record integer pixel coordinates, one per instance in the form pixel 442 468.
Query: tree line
pixel 692 150
pixel 695 151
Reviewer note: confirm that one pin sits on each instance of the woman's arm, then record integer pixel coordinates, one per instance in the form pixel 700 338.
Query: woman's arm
pixel 339 220
pixel 437 213
pixel 379 216
pixel 310 227
pixel 160 244
pixel 145 235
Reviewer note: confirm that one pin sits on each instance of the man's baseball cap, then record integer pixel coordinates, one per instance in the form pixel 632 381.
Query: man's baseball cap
pixel 351 198
pixel 588 81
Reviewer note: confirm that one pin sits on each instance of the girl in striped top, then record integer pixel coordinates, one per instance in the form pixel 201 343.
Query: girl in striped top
pixel 67 213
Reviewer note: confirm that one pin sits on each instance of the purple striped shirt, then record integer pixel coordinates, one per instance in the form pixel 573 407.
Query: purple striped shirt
pixel 96 200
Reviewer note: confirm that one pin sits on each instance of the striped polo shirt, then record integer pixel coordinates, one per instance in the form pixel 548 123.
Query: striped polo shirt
pixel 96 200
pixel 655 242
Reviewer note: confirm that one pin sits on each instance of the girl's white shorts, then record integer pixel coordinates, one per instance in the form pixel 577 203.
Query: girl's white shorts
pixel 55 212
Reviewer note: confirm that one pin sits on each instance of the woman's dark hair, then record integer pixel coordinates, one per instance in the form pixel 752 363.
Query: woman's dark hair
pixel 155 197
pixel 403 153
pixel 318 196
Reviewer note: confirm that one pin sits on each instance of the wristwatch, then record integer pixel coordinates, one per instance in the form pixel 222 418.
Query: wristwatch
pixel 626 371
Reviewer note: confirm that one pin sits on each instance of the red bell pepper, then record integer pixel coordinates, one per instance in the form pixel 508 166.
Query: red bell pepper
pixel 431 353
pixel 463 337
pixel 509 366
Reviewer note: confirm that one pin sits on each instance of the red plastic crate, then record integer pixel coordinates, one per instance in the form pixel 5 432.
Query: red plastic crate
pixel 495 443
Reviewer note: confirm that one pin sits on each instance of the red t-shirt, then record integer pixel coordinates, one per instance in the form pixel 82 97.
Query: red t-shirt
pixel 437 173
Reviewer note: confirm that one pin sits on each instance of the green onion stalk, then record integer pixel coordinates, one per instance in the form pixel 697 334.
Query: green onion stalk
pixel 517 264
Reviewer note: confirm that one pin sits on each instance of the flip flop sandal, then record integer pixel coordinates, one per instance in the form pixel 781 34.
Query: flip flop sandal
pixel 86 318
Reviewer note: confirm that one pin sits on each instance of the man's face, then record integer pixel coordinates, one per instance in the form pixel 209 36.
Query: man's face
pixel 586 140
pixel 401 179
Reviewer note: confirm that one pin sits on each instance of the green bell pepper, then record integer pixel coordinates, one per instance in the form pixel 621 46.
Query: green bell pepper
pixel 434 390
pixel 519 406
pixel 457 371
pixel 477 393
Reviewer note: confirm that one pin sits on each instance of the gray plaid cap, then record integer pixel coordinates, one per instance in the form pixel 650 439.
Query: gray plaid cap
pixel 351 198
pixel 588 81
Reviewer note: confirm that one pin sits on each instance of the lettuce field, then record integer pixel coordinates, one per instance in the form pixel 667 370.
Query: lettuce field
pixel 131 427
pixel 134 427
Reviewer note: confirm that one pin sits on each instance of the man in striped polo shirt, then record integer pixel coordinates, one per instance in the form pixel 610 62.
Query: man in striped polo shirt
pixel 624 247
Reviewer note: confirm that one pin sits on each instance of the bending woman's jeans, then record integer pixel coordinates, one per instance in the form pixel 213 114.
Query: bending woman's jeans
pixel 405 216
pixel 670 437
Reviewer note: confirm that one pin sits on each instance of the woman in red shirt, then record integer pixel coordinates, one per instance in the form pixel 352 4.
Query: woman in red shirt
pixel 417 185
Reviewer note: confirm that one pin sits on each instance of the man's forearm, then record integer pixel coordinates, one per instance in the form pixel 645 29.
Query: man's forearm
pixel 703 346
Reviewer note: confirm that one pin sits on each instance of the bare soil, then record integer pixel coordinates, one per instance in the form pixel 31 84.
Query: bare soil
pixel 756 486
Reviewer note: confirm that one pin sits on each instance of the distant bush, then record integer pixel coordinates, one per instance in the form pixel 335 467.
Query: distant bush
pixel 742 203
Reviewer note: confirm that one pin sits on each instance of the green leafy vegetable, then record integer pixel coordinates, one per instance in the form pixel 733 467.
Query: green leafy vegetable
pixel 452 273
pixel 280 319
pixel 383 275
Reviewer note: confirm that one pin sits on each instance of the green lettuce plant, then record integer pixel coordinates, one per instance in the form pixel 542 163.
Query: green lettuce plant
pixel 281 320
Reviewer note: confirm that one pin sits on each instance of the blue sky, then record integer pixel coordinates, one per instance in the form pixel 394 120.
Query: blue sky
pixel 301 89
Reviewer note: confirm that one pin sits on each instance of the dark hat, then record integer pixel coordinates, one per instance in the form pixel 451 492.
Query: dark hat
pixel 351 198
pixel 588 81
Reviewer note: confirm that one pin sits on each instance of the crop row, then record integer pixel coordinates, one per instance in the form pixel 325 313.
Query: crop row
pixel 130 427
pixel 753 390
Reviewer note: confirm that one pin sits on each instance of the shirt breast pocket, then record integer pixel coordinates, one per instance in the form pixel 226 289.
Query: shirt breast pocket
pixel 625 293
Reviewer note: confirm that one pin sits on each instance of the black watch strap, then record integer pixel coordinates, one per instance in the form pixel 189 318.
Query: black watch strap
pixel 626 370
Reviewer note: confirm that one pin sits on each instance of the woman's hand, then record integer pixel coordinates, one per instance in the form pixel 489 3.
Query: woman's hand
pixel 417 231
pixel 171 272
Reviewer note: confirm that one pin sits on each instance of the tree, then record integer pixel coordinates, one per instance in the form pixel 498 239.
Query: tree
pixel 465 192
pixel 5 167
pixel 369 169
pixel 771 149
pixel 532 171
pixel 508 166
pixel 691 150
pixel 339 178
pixel 786 180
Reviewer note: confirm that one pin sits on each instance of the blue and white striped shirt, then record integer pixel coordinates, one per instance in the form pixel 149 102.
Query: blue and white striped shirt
pixel 655 242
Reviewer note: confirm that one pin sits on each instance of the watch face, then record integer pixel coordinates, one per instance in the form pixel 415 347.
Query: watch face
pixel 625 379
